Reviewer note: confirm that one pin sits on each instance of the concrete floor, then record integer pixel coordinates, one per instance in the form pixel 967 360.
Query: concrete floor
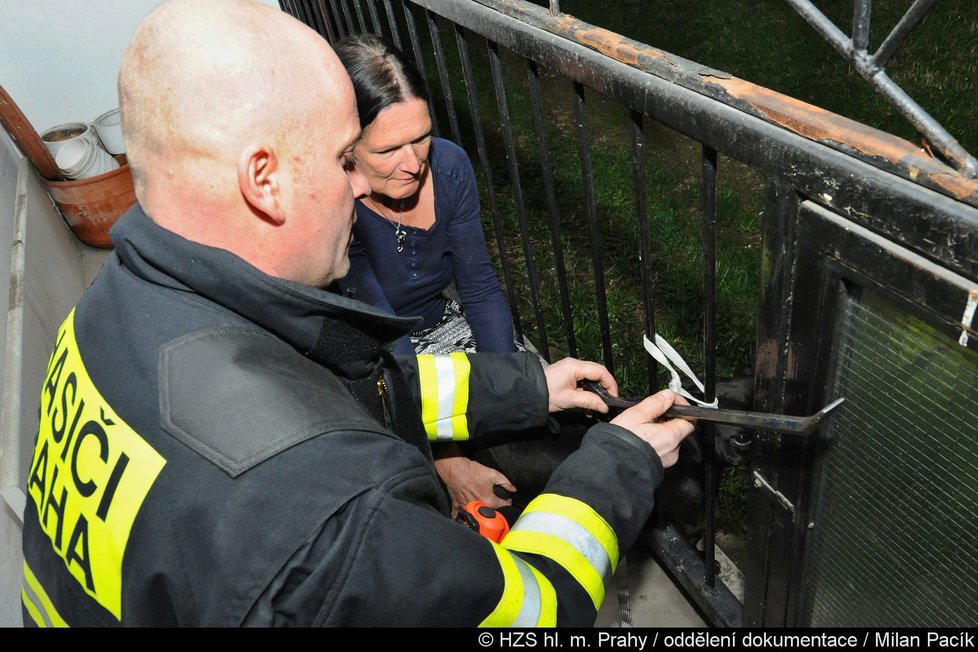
pixel 653 599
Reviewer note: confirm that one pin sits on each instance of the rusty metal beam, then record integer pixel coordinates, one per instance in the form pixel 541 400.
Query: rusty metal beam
pixel 841 163
pixel 854 51
pixel 855 139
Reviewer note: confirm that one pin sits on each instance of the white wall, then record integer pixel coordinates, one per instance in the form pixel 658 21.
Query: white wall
pixel 46 275
pixel 59 58
pixel 58 61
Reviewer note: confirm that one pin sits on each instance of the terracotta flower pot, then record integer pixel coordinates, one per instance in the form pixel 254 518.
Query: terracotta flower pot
pixel 91 206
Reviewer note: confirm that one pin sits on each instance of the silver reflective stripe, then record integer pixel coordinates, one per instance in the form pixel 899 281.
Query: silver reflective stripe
pixel 445 372
pixel 38 605
pixel 441 434
pixel 529 614
pixel 571 532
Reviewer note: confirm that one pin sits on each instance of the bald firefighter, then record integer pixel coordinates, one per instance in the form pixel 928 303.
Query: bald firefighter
pixel 223 442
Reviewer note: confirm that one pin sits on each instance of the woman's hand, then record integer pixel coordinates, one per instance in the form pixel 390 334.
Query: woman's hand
pixel 468 480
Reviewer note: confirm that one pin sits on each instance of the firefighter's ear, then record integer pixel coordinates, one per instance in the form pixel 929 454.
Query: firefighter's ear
pixel 260 181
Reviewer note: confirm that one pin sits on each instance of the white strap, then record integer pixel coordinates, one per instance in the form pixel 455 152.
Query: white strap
pixel 663 353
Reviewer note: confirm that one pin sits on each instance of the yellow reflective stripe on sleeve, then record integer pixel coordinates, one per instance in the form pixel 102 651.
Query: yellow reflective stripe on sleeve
pixel 528 598
pixel 444 383
pixel 428 379
pixel 38 604
pixel 511 601
pixel 555 548
pixel 582 514
pixel 461 368
pixel 572 534
pixel 548 598
pixel 31 609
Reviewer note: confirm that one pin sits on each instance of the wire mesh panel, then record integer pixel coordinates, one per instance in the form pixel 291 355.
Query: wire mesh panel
pixel 894 525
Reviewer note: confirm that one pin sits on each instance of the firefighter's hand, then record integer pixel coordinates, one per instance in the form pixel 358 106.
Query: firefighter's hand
pixel 468 480
pixel 664 436
pixel 563 377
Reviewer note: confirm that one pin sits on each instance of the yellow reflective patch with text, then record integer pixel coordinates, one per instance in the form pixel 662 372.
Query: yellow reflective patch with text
pixel 89 476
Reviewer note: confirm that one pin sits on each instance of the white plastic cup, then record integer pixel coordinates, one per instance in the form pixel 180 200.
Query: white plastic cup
pixel 57 137
pixel 79 158
pixel 74 156
pixel 108 126
pixel 104 163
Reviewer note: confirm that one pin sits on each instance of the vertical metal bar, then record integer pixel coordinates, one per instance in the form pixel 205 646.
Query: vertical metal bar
pixel 861 10
pixel 709 351
pixel 763 585
pixel 895 39
pixel 392 21
pixel 514 173
pixel 554 7
pixel 311 15
pixel 328 32
pixel 317 15
pixel 298 11
pixel 338 30
pixel 360 17
pixel 644 239
pixel 374 17
pixel 446 82
pixel 347 18
pixel 536 100
pixel 303 11
pixel 412 26
pixel 480 143
pixel 587 174
pixel 288 6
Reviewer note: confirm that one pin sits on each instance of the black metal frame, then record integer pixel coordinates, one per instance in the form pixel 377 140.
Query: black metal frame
pixel 830 257
pixel 878 182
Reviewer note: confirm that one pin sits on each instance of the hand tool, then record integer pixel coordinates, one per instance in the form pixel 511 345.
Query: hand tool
pixel 485 520
pixel 758 420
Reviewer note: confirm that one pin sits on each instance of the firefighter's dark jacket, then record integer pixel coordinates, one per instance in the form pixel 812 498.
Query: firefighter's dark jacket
pixel 219 447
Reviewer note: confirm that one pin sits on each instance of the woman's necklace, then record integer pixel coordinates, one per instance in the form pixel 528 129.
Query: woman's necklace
pixel 400 235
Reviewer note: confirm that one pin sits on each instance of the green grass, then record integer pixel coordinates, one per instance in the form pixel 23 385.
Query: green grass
pixel 769 44
pixel 675 221
pixel 764 42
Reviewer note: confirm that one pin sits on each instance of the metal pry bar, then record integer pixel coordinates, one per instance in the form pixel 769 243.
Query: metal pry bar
pixel 758 420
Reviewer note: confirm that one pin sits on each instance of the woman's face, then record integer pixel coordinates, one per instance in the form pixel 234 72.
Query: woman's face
pixel 393 150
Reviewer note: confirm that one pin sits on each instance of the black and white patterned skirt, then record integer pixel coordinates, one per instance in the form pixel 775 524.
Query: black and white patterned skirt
pixel 451 334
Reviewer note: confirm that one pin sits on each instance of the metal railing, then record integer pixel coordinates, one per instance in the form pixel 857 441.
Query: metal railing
pixel 845 166
pixel 873 68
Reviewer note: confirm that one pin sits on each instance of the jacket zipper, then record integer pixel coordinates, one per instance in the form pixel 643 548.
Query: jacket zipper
pixel 384 404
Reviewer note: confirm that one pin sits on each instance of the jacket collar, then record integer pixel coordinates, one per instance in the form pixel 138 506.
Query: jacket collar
pixel 331 329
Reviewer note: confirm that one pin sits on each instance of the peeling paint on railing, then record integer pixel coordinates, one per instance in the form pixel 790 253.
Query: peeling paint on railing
pixel 876 147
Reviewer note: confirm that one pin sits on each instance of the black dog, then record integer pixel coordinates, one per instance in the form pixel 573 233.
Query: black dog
pixel 529 458
pixel 681 497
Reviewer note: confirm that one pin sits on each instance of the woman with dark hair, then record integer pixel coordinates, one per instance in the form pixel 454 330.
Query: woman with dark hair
pixel 418 237
pixel 419 248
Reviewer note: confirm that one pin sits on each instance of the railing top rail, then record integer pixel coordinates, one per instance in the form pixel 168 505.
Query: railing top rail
pixel 870 145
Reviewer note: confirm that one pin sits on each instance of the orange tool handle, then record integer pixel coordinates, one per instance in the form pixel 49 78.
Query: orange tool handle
pixel 485 520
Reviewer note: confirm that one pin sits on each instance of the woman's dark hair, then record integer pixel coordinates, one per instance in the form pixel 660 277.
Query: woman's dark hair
pixel 382 75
